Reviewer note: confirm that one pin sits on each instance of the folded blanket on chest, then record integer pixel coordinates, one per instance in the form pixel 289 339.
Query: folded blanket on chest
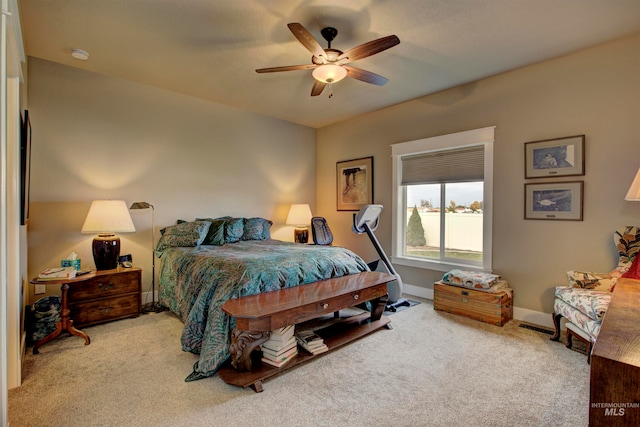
pixel 470 279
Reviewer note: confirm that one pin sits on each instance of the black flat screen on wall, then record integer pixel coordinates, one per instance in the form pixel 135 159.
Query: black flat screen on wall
pixel 25 167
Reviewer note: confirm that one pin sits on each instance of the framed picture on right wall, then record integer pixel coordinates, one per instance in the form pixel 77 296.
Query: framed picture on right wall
pixel 554 201
pixel 554 157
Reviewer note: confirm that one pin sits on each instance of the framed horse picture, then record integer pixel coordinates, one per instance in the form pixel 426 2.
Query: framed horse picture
pixel 354 180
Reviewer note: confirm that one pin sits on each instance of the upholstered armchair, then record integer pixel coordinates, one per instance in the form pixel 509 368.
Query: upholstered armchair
pixel 584 302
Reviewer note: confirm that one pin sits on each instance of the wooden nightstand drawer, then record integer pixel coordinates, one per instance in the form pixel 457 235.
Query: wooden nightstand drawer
pixel 105 285
pixel 103 310
pixel 109 295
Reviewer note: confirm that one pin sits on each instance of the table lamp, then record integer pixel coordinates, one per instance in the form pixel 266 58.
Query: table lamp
pixel 300 217
pixel 106 217
pixel 153 306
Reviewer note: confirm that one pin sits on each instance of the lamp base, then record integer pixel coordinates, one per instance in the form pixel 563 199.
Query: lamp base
pixel 153 307
pixel 301 235
pixel 106 250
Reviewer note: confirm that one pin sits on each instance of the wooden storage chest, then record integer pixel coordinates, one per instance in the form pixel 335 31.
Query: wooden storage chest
pixel 487 307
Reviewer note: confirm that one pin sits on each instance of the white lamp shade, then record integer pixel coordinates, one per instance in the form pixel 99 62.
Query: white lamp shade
pixel 108 216
pixel 633 195
pixel 329 73
pixel 300 215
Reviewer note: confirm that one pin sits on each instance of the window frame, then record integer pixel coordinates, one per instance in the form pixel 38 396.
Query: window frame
pixel 484 137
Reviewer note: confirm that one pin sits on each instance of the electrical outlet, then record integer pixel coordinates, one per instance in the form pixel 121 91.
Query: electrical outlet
pixel 40 289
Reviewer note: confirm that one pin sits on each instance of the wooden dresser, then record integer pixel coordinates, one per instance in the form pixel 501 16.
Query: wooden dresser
pixel 109 295
pixel 615 361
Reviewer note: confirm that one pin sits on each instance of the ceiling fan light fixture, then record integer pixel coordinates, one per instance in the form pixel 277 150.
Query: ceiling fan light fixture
pixel 331 65
pixel 329 73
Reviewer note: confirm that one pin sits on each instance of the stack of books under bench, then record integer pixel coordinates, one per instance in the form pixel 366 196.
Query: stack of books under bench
pixel 311 342
pixel 281 347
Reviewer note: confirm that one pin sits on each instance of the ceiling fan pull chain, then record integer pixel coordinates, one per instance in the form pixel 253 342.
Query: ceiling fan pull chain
pixel 330 89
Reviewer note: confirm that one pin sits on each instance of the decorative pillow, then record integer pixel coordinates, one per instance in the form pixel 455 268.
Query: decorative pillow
pixel 634 270
pixel 266 228
pixel 256 229
pixel 178 222
pixel 221 218
pixel 233 230
pixel 592 281
pixel 184 234
pixel 233 227
pixel 215 235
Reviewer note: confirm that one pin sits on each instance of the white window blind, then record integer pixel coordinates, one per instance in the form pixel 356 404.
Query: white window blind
pixel 437 167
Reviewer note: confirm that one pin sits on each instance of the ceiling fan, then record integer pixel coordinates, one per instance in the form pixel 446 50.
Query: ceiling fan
pixel 330 65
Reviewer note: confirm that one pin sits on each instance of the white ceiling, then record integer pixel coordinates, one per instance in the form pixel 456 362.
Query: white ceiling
pixel 210 48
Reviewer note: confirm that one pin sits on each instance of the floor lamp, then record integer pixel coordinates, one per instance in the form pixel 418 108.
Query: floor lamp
pixel 153 306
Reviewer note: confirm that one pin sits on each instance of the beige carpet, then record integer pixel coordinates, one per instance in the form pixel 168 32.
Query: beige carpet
pixel 432 369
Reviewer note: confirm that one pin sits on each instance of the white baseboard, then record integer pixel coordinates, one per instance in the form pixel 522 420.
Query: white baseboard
pixel 417 291
pixel 531 316
pixel 147 297
pixel 522 314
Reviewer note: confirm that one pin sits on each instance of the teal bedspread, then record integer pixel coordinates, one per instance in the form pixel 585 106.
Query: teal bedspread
pixel 196 281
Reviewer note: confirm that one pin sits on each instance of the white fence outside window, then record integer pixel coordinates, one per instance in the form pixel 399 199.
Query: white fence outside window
pixel 463 230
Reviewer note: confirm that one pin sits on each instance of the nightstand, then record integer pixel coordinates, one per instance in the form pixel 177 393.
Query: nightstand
pixel 98 297
pixel 108 295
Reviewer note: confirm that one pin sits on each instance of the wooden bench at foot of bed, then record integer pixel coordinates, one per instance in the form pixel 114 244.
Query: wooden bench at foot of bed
pixel 257 315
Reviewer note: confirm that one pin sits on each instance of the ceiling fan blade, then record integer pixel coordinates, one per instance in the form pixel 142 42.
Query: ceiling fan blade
pixel 286 68
pixel 371 48
pixel 307 40
pixel 317 88
pixel 365 76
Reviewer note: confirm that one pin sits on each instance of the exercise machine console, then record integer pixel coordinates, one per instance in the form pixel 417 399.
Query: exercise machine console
pixel 366 221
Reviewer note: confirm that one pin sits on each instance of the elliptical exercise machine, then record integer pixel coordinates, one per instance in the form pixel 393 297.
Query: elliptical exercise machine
pixel 366 221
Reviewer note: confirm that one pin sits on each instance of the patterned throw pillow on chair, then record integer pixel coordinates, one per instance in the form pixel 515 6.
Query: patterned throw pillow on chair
pixel 592 281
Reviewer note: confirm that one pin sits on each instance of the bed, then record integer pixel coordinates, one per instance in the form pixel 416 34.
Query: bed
pixel 204 263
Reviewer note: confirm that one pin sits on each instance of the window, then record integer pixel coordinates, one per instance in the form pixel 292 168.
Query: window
pixel 442 201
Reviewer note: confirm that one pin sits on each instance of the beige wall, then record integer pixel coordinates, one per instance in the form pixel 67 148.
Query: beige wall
pixel 98 137
pixel 594 92
pixel 189 158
